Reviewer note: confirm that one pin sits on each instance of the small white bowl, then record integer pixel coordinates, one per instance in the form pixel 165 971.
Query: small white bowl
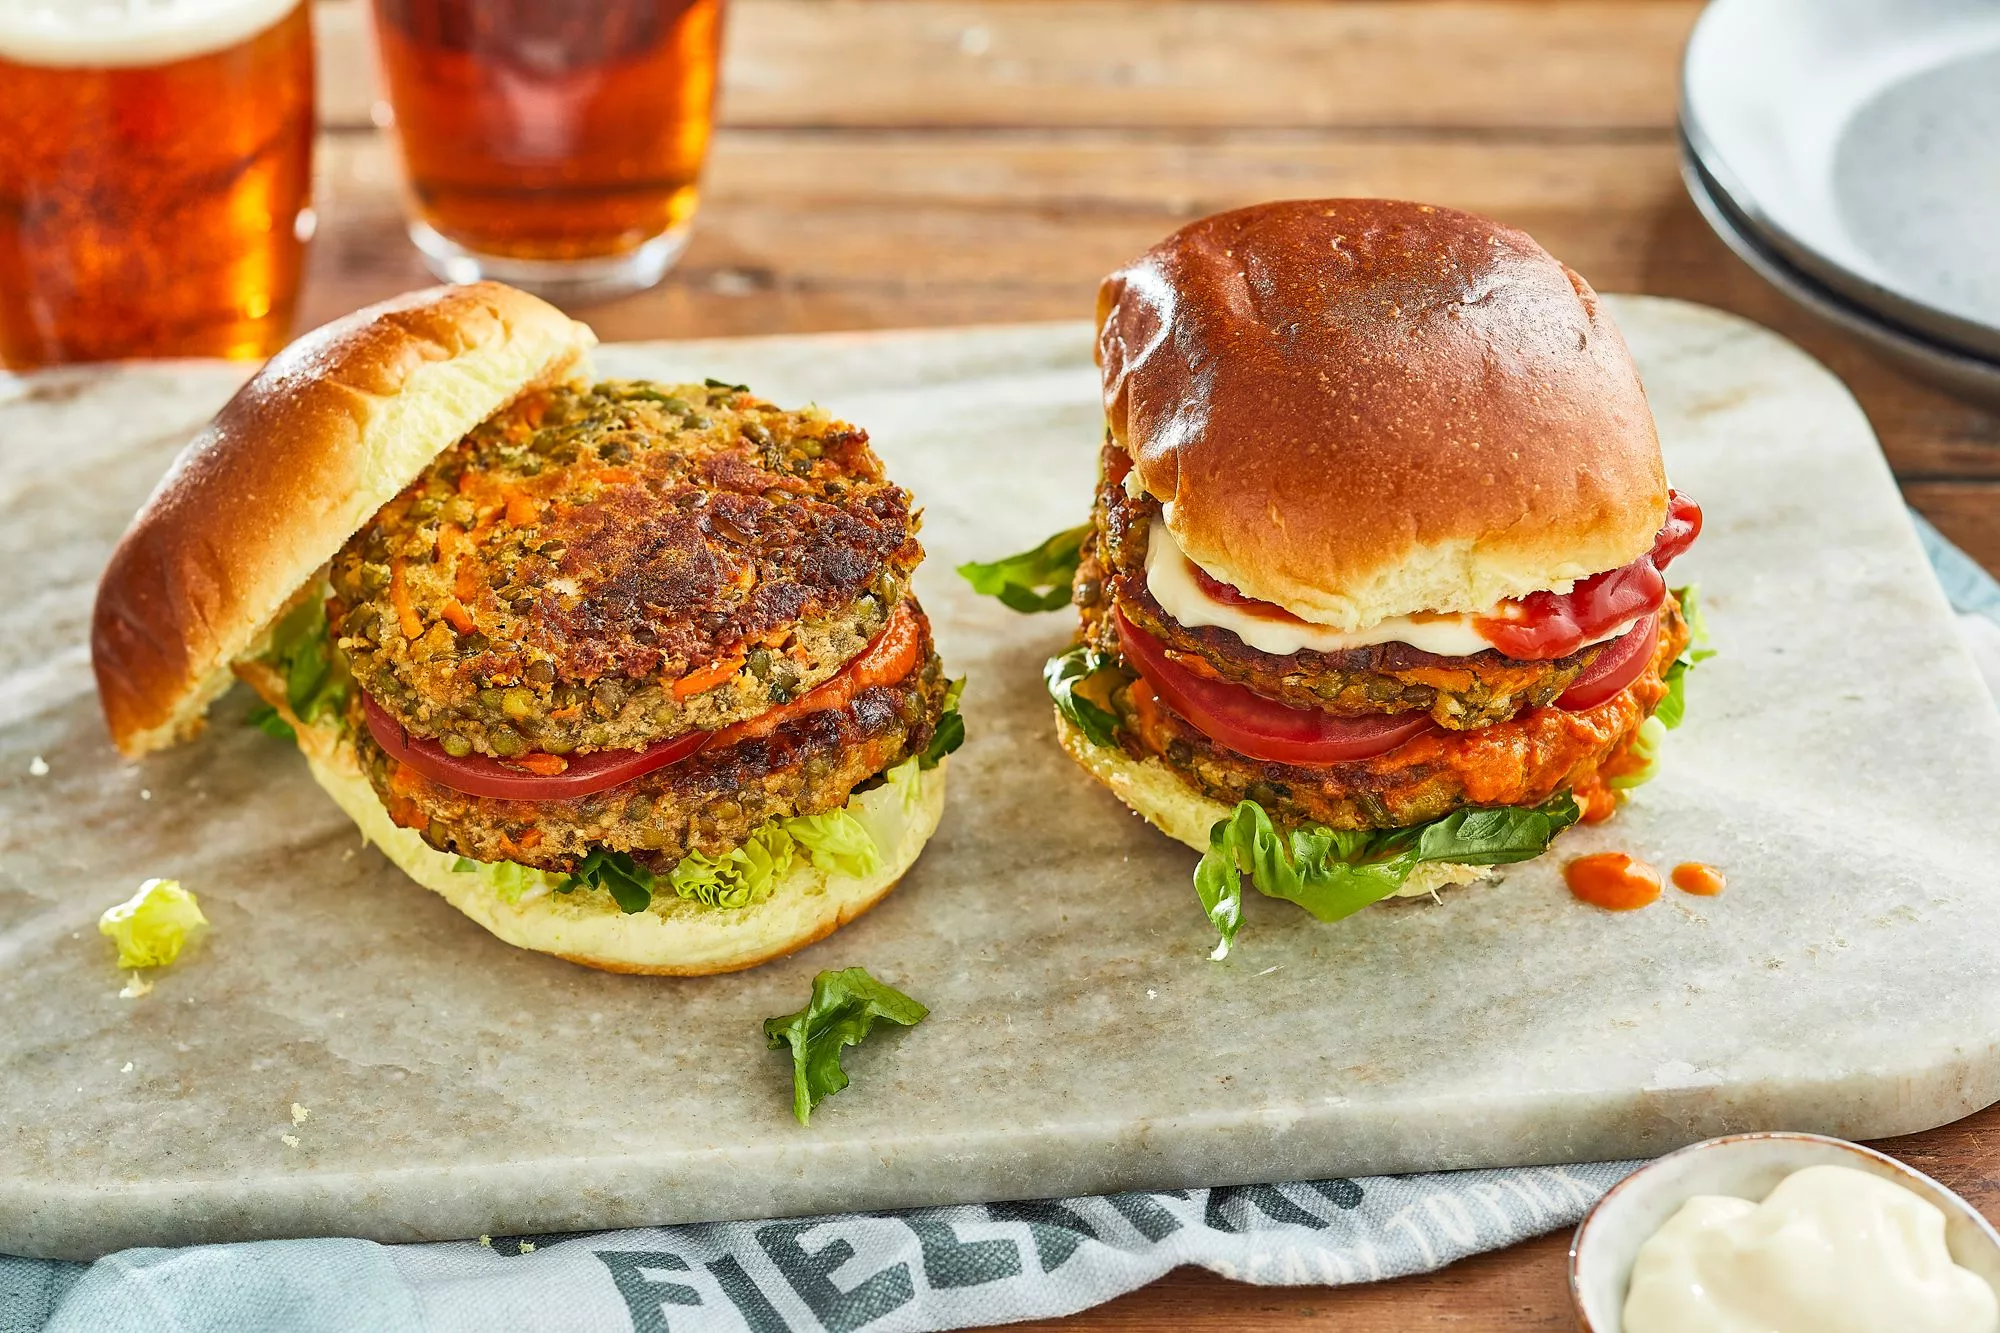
pixel 1748 1166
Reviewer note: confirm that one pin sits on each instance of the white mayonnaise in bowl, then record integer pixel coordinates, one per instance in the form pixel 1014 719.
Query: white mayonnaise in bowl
pixel 1743 1166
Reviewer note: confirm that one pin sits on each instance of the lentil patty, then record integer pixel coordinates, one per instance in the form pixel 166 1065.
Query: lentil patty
pixel 607 567
pixel 709 803
pixel 1523 761
pixel 1459 692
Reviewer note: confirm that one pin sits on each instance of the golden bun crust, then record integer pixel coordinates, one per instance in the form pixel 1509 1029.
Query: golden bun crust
pixel 671 938
pixel 1362 408
pixel 1153 792
pixel 326 433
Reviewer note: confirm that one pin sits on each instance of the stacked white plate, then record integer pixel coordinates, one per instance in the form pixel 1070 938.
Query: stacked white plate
pixel 1849 151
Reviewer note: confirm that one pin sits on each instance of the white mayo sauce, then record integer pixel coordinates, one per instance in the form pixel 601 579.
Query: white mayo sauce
pixel 1831 1250
pixel 1170 578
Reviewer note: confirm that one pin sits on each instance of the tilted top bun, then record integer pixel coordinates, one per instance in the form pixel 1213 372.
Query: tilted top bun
pixel 331 428
pixel 1361 408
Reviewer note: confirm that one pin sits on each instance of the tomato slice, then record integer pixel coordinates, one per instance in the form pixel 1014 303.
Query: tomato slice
pixel 892 655
pixel 479 775
pixel 1623 661
pixel 1258 727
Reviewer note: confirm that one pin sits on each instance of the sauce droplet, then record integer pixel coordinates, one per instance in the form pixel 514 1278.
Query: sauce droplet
pixel 1696 878
pixel 1614 881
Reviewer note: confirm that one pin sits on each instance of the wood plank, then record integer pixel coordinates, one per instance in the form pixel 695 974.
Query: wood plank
pixel 1966 511
pixel 1577 64
pixel 803 232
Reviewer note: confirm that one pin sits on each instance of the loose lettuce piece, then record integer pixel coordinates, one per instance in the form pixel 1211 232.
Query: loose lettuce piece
pixel 836 842
pixel 1063 673
pixel 151 927
pixel 844 1008
pixel 950 733
pixel 1034 580
pixel 1334 873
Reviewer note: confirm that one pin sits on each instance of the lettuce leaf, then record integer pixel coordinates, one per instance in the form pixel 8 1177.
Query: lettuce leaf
pixel 741 876
pixel 844 1009
pixel 630 884
pixel 1062 674
pixel 153 925
pixel 839 842
pixel 1033 580
pixel 316 679
pixel 265 718
pixel 1646 749
pixel 1673 708
pixel 950 733
pixel 1334 873
pixel 836 843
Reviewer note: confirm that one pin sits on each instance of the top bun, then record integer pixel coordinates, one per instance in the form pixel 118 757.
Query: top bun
pixel 1362 408
pixel 329 431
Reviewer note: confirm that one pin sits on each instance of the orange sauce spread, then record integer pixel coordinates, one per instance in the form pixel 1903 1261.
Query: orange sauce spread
pixel 1694 877
pixel 1615 881
pixel 1597 801
pixel 892 656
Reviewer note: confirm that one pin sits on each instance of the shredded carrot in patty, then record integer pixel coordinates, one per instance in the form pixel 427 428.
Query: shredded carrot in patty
pixel 399 597
pixel 694 682
pixel 541 765
pixel 522 511
pixel 455 615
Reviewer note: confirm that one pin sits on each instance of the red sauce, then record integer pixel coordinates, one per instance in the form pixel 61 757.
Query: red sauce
pixel 1546 625
pixel 1696 878
pixel 1615 881
pixel 1597 801
pixel 1230 596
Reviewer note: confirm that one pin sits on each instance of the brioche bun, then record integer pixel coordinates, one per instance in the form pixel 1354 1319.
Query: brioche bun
pixel 1362 408
pixel 331 428
pixel 1165 800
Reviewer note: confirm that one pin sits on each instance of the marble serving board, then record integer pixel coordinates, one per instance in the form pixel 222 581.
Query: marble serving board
pixel 1840 761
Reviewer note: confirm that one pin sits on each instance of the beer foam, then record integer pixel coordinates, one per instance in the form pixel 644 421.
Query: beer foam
pixel 111 33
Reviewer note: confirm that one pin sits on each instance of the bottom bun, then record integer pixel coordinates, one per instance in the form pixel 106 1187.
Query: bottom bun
pixel 674 936
pixel 1164 800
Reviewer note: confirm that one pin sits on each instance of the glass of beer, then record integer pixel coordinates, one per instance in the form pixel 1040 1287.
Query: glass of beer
pixel 552 144
pixel 155 176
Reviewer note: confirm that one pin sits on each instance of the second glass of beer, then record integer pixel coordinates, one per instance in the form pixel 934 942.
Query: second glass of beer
pixel 552 144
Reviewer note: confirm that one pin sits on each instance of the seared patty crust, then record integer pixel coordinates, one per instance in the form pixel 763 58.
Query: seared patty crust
pixel 607 567
pixel 708 803
pixel 1522 762
pixel 1459 692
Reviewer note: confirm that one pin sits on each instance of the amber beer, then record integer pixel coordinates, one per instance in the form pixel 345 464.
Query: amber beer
pixel 555 144
pixel 155 170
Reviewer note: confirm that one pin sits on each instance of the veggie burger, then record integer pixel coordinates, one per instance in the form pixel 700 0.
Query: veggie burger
pixel 1372 592
pixel 630 673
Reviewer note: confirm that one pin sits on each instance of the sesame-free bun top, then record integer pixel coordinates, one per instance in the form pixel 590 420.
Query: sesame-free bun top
pixel 331 428
pixel 1363 408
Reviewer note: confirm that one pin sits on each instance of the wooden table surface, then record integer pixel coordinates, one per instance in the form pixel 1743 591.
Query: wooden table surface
pixel 923 162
